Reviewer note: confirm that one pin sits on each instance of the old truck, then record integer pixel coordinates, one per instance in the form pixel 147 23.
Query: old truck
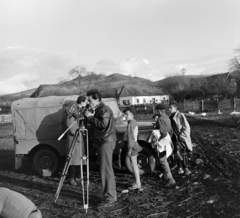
pixel 38 123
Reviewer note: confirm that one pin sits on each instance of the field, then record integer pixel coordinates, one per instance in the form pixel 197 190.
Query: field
pixel 212 190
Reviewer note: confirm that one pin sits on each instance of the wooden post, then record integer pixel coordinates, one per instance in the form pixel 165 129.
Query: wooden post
pixel 153 106
pixel 234 104
pixel 202 105
pixel 18 161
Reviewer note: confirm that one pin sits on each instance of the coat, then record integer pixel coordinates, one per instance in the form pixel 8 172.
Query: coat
pixel 102 125
pixel 130 137
pixel 79 149
pixel 164 125
pixel 161 144
pixel 183 128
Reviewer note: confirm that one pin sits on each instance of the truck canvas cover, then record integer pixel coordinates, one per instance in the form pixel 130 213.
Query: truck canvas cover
pixel 44 118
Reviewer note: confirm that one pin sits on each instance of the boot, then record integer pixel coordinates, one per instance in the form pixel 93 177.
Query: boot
pixel 187 171
pixel 170 183
pixel 72 182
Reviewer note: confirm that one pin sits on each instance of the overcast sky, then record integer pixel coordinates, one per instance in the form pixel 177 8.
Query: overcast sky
pixel 42 40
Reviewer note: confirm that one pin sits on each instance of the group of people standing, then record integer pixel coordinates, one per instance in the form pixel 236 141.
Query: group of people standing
pixel 172 140
pixel 174 131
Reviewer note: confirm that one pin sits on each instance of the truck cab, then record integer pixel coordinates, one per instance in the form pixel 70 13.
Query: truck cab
pixel 38 123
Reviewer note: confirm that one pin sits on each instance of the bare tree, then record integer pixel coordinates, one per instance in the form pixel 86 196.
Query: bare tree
pixel 77 73
pixel 183 71
pixel 235 62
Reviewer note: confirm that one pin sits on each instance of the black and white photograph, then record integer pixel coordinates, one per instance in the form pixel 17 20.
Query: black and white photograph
pixel 119 108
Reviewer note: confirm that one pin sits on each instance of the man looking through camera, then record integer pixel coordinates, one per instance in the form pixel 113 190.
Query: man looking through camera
pixel 104 135
pixel 74 168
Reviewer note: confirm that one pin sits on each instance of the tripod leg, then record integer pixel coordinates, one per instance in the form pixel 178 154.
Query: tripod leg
pixel 87 162
pixel 84 159
pixel 64 173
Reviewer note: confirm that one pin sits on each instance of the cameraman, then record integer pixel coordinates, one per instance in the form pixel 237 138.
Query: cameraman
pixel 74 168
pixel 104 135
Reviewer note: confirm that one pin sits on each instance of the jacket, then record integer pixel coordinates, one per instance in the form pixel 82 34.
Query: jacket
pixel 103 125
pixel 164 144
pixel 164 125
pixel 183 128
pixel 130 136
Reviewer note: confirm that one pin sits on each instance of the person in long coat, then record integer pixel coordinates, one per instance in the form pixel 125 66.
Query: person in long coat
pixel 78 151
pixel 181 137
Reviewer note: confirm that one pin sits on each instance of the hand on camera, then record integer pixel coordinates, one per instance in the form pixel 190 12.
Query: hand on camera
pixel 89 114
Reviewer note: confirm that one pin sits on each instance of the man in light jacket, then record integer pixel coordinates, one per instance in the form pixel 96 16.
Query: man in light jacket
pixel 181 137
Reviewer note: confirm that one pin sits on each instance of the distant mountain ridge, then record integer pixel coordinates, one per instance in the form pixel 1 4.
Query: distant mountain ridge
pixel 112 84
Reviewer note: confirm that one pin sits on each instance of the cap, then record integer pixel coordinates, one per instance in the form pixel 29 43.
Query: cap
pixel 131 109
pixel 161 107
pixel 173 103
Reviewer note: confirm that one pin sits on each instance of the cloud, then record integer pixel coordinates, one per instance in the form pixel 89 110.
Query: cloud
pixel 190 69
pixel 148 69
pixel 208 65
pixel 15 83
pixel 25 68
pixel 140 67
pixel 107 66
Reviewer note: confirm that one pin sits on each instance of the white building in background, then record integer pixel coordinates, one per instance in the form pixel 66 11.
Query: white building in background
pixel 135 100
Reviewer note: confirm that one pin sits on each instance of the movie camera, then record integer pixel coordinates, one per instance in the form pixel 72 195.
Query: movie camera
pixel 73 110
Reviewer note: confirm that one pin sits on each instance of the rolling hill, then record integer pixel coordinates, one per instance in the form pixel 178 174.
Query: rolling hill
pixel 111 85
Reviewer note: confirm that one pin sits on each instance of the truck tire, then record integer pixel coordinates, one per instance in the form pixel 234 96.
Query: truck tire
pixel 145 159
pixel 46 162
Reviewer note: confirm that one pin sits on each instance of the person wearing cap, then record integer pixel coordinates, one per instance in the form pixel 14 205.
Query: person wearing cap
pixel 181 137
pixel 103 133
pixel 16 205
pixel 164 125
pixel 130 139
pixel 74 168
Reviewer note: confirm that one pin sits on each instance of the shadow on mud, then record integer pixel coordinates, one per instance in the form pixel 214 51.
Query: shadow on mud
pixel 7 163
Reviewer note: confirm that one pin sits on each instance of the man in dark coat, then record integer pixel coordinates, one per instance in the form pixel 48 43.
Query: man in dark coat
pixel 164 125
pixel 104 134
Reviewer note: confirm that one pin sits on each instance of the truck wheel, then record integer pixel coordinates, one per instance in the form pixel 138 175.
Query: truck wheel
pixel 146 161
pixel 45 162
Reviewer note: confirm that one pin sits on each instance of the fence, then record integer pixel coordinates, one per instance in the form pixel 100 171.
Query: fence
pixel 5 118
pixel 195 106
pixel 212 105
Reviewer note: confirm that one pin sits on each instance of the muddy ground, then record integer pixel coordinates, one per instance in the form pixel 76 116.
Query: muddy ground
pixel 212 190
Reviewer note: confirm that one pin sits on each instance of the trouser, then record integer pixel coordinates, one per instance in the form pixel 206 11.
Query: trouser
pixel 180 152
pixel 165 166
pixel 74 171
pixel 105 153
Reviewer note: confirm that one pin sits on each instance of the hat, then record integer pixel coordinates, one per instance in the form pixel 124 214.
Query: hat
pixel 161 107
pixel 174 104
pixel 131 109
pixel 81 99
